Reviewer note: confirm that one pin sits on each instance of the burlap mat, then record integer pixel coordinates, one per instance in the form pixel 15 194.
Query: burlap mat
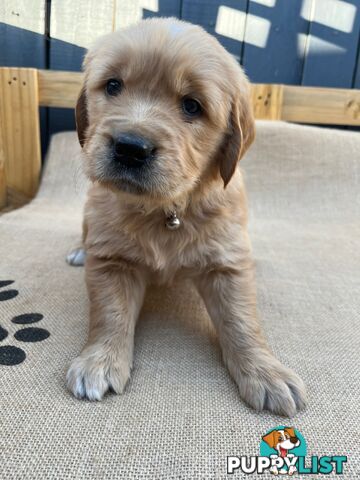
pixel 181 416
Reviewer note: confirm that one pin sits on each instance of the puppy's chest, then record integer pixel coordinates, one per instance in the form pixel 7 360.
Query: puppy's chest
pixel 200 242
pixel 164 252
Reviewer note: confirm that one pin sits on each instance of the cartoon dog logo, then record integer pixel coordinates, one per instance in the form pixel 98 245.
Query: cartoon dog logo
pixel 282 441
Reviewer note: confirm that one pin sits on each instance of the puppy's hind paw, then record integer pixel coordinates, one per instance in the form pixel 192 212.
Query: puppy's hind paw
pixel 76 258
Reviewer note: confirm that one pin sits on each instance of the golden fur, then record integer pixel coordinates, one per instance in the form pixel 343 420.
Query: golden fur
pixel 195 173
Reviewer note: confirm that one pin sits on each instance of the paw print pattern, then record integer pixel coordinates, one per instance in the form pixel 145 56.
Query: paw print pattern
pixel 3 333
pixel 9 354
pixel 7 294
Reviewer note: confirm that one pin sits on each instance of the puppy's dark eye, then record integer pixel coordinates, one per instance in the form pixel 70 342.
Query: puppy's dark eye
pixel 191 107
pixel 113 87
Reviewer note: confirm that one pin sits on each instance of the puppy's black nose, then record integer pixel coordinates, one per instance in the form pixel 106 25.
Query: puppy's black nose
pixel 132 150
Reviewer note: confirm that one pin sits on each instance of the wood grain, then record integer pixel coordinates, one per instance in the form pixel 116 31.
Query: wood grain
pixel 59 89
pixel 23 41
pixel 267 101
pixel 127 12
pixel 74 26
pixel 3 195
pixel 23 90
pixel 325 106
pixel 80 23
pixel 22 27
pixel 20 132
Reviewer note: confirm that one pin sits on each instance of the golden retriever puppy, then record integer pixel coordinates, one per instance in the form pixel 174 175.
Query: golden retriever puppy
pixel 163 118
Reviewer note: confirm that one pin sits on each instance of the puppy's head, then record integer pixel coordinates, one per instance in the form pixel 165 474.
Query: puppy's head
pixel 163 108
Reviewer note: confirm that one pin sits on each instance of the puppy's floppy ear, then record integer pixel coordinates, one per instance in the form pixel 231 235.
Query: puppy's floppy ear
pixel 239 137
pixel 271 438
pixel 81 116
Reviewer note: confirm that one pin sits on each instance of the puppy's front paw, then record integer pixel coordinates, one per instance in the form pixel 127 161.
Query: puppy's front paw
pixel 91 375
pixel 270 386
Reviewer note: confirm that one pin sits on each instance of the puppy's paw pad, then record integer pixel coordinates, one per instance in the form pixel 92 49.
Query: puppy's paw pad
pixel 86 379
pixel 76 258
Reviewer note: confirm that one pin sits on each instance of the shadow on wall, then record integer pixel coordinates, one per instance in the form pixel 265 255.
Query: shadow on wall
pixel 278 41
pixel 273 39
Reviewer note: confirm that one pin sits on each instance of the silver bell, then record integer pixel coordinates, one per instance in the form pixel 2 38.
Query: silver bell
pixel 172 221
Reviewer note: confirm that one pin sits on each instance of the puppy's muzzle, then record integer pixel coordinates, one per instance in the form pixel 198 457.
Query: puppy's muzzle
pixel 132 150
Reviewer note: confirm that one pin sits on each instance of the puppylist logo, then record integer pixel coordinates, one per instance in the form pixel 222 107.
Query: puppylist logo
pixel 282 452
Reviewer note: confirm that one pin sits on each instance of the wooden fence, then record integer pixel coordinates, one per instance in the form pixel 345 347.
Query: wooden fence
pixel 291 42
pixel 24 90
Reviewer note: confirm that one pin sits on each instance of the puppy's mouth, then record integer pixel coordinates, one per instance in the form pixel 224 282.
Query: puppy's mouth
pixel 135 166
pixel 131 162
pixel 125 173
pixel 127 178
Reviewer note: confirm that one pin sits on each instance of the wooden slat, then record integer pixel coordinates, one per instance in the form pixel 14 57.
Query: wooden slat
pixel 15 198
pixel 3 195
pixel 23 40
pixel 78 24
pixel 22 25
pixel 59 89
pixel 127 12
pixel 267 101
pixel 74 26
pixel 20 132
pixel 326 106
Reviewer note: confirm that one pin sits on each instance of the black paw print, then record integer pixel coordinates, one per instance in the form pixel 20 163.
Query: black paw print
pixel 9 354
